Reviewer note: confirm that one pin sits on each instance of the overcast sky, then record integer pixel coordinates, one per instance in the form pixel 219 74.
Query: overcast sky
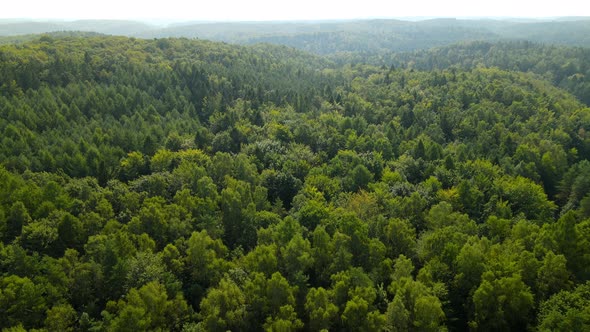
pixel 256 10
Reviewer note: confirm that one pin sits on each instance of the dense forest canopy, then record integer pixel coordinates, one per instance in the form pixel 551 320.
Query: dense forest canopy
pixel 565 67
pixel 190 185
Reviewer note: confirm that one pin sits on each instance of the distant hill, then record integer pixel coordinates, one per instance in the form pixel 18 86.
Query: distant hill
pixel 566 67
pixel 330 37
pixel 562 32
pixel 19 39
pixel 25 28
pixel 111 27
pixel 335 37
pixel 385 35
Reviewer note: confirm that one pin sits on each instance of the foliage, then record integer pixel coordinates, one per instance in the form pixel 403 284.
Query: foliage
pixel 175 184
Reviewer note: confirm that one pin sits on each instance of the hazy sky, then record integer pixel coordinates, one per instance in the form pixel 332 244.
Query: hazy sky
pixel 285 10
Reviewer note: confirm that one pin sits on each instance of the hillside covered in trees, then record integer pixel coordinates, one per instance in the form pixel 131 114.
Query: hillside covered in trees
pixel 331 37
pixel 189 185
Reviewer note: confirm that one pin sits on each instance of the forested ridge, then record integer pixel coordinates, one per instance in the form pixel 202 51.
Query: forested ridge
pixel 565 67
pixel 329 37
pixel 188 185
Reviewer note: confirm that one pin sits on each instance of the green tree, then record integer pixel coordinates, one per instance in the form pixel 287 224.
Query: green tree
pixel 501 303
pixel 224 307
pixel 566 310
pixel 285 320
pixel 414 305
pixel 237 230
pixel 21 302
pixel 321 309
pixel 297 259
pixel 268 299
pixel 360 177
pixel 61 318
pixel 397 316
pixel 146 309
pixel 553 275
pixel 205 263
pixel 16 218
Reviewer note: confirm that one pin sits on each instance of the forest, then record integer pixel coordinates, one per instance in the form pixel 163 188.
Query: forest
pixel 179 184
